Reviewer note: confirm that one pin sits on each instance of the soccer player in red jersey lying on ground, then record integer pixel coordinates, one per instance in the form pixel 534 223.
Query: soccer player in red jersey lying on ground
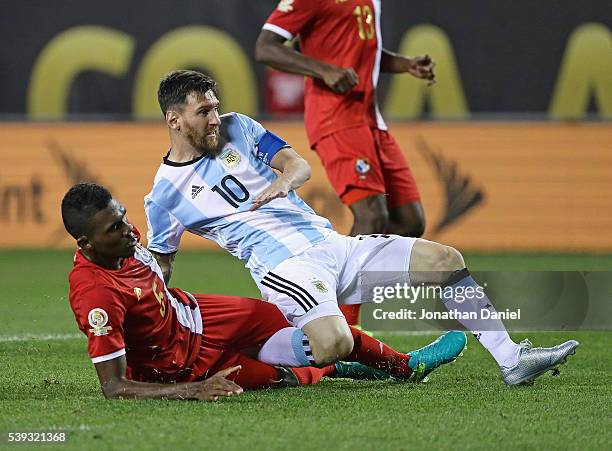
pixel 150 341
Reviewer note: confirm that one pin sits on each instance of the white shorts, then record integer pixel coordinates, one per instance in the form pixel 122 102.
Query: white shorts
pixel 312 284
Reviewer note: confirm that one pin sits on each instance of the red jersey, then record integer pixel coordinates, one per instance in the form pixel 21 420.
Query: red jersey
pixel 344 33
pixel 131 311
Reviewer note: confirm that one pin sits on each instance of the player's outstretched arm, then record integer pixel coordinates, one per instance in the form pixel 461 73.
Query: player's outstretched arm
pixel 166 263
pixel 295 171
pixel 418 66
pixel 270 50
pixel 115 385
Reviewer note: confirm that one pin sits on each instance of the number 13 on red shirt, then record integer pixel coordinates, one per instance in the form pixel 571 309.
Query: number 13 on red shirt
pixel 364 15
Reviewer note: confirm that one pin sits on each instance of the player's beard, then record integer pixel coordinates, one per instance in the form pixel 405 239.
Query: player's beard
pixel 208 145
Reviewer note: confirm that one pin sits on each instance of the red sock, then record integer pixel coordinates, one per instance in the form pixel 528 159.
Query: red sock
pixel 376 354
pixel 309 375
pixel 253 375
pixel 351 313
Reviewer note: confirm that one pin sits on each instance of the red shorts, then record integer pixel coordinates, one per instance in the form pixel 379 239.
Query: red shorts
pixel 232 324
pixel 362 161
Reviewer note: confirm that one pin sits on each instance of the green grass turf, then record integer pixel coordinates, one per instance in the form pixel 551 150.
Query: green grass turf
pixel 46 384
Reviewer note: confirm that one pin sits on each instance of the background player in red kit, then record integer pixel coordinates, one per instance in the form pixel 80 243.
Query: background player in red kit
pixel 150 341
pixel 342 56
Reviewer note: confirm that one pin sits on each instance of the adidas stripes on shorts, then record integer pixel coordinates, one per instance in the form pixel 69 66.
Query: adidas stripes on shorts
pixel 312 284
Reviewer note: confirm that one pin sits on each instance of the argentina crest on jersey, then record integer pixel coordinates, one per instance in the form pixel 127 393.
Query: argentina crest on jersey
pixel 230 157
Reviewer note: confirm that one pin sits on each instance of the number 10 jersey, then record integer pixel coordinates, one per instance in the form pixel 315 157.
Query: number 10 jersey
pixel 211 197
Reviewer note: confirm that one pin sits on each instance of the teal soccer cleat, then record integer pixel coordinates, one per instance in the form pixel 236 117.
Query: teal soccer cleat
pixel 445 349
pixel 423 361
pixel 359 371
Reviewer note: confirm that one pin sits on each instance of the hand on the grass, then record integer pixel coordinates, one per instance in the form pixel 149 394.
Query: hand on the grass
pixel 279 188
pixel 217 386
pixel 423 67
pixel 340 79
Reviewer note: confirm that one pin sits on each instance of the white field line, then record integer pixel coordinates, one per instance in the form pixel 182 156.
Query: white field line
pixel 42 337
pixel 31 337
pixel 406 332
pixel 74 336
pixel 63 337
pixel 441 331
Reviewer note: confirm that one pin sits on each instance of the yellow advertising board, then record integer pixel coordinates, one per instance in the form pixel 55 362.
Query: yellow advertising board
pixel 485 186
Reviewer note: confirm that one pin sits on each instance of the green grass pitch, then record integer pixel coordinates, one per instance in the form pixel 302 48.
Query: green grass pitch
pixel 49 383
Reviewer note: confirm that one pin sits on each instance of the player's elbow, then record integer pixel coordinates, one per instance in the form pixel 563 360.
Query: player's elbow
pixel 306 170
pixel 110 394
pixel 263 50
pixel 267 47
pixel 113 389
pixel 298 169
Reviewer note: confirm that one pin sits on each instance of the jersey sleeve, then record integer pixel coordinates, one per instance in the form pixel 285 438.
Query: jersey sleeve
pixel 290 17
pixel 265 144
pixel 100 314
pixel 164 230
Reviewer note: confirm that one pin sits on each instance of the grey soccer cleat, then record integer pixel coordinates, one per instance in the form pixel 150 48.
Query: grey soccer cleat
pixel 533 362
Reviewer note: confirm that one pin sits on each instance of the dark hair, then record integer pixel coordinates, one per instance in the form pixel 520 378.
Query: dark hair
pixel 80 203
pixel 177 85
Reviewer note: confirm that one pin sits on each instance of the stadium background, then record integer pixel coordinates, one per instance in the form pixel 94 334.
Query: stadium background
pixel 535 178
pixel 512 150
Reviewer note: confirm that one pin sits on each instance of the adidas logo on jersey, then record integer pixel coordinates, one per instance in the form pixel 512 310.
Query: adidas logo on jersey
pixel 195 190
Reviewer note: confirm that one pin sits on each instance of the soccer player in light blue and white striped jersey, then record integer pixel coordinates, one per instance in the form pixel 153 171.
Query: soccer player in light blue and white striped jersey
pixel 216 198
pixel 218 182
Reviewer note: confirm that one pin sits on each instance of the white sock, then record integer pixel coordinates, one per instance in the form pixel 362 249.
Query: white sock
pixel 500 345
pixel 287 347
pixel 491 333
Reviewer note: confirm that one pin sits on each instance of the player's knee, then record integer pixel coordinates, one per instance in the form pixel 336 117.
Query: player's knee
pixel 375 220
pixel 414 227
pixel 408 219
pixel 450 259
pixel 371 215
pixel 332 348
pixel 432 261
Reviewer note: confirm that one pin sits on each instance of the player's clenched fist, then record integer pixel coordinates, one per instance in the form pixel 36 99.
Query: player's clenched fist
pixel 423 67
pixel 340 79
pixel 217 386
